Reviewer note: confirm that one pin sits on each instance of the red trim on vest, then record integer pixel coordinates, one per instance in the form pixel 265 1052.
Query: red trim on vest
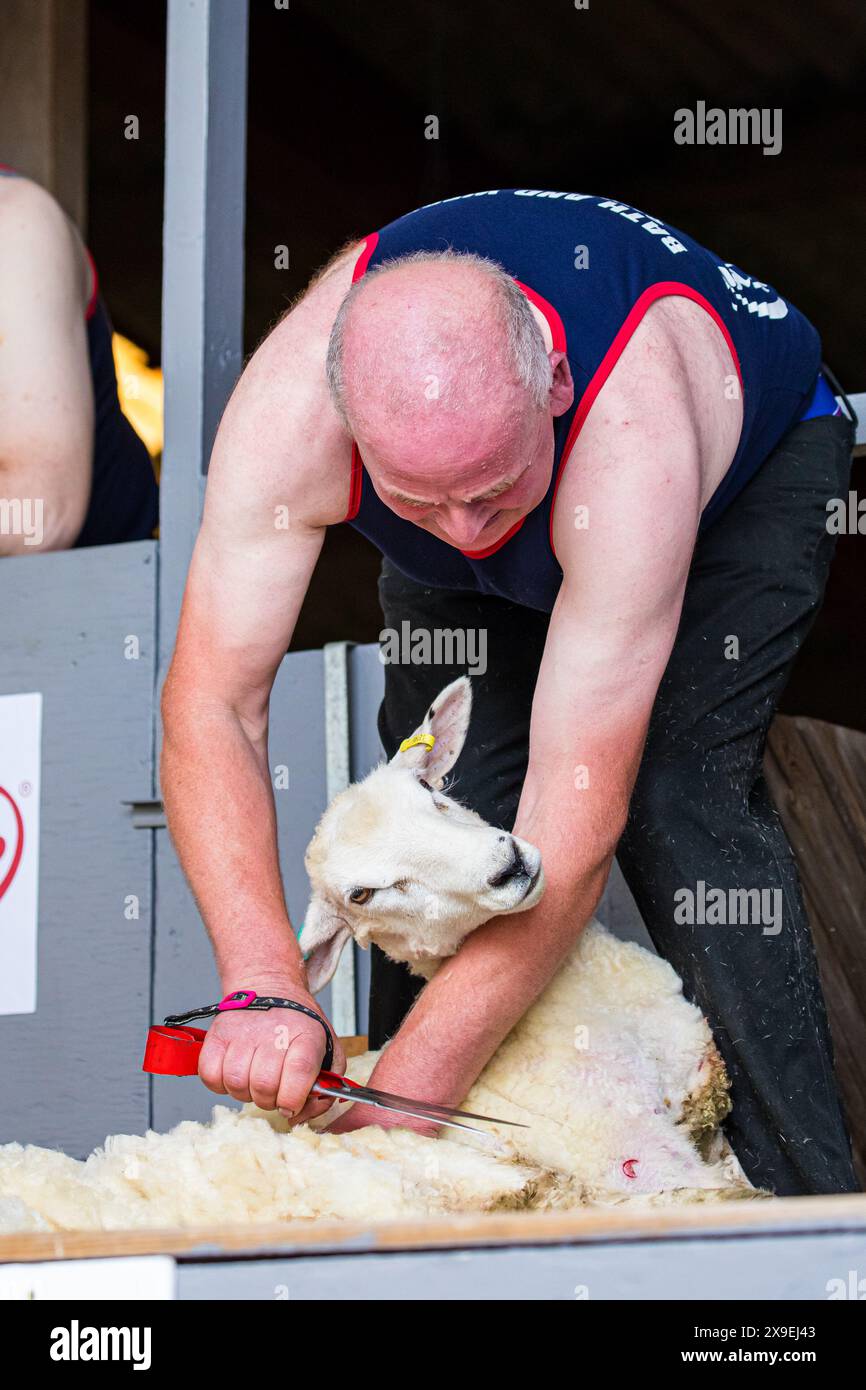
pixel 94 287
pixel 660 290
pixel 356 482
pixel 557 327
pixel 370 244
pixel 491 549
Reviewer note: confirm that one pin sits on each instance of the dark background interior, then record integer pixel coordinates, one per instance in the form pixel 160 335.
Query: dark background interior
pixel 527 95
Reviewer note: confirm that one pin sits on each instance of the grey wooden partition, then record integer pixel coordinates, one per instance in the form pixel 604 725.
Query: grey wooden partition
pixel 787 1265
pixel 70 1073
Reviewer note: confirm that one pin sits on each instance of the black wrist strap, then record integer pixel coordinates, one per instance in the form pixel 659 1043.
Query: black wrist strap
pixel 261 1002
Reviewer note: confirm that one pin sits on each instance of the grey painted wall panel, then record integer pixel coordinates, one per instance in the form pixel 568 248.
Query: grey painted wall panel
pixel 759 1268
pixel 70 1073
pixel 366 688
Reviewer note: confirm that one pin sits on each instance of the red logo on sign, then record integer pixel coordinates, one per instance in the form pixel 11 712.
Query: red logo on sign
pixel 19 844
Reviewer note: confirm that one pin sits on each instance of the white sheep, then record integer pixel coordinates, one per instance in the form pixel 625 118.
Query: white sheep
pixel 612 1070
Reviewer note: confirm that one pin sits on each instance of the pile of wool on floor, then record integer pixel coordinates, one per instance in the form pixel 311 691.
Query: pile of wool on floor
pixel 240 1168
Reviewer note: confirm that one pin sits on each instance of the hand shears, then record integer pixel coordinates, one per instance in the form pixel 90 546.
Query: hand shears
pixel 174 1048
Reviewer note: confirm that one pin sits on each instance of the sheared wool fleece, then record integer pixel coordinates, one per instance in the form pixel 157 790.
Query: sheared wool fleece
pixel 239 1168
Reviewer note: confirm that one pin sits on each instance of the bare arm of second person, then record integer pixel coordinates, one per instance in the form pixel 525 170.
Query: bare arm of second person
pixel 280 457
pixel 46 395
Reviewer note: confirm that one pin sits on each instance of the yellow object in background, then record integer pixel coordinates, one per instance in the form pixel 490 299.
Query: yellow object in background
pixel 139 387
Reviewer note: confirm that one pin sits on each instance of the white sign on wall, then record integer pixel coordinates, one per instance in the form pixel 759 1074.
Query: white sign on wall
pixel 20 768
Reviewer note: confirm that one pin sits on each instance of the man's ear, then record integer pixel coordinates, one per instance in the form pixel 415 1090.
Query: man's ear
pixel 322 939
pixel 447 720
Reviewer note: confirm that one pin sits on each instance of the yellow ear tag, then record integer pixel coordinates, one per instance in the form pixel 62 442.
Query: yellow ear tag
pixel 427 739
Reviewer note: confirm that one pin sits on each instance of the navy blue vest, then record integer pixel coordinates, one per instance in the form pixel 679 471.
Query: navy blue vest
pixel 124 500
pixel 593 266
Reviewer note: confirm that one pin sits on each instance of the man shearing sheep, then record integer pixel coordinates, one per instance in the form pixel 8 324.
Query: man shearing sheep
pixel 569 426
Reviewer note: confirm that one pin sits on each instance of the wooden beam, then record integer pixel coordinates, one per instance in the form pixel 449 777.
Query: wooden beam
pixel 779 1216
pixel 43 77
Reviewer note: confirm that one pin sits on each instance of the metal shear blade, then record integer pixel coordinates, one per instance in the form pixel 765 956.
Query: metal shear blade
pixel 342 1089
pixel 416 1112
pixel 433 1109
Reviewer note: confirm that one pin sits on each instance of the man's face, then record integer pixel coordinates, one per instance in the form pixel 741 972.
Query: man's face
pixel 467 492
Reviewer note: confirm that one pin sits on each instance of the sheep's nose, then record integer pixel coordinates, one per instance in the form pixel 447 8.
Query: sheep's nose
pixel 513 869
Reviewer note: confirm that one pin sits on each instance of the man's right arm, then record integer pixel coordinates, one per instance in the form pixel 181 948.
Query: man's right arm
pixel 279 474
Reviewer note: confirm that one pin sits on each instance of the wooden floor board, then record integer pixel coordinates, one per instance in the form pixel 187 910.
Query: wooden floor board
pixel 722 1220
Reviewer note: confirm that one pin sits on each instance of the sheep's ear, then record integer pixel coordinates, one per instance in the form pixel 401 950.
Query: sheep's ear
pixel 322 940
pixel 447 720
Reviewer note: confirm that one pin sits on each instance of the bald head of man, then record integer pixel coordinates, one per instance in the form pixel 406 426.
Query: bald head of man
pixel 445 374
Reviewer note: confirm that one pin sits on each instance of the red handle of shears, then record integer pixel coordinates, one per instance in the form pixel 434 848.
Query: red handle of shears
pixel 175 1052
pixel 332 1081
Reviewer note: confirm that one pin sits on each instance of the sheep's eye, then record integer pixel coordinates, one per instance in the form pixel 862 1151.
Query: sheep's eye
pixel 361 895
pixel 425 785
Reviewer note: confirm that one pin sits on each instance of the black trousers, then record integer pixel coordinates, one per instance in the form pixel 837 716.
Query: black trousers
pixel 700 810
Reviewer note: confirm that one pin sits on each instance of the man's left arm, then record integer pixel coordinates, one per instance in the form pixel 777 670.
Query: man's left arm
pixel 637 472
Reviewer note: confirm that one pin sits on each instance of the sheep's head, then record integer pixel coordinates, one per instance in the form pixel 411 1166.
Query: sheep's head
pixel 396 861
